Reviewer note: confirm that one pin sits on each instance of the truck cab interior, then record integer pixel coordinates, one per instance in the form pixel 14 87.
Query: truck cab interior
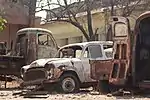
pixel 142 54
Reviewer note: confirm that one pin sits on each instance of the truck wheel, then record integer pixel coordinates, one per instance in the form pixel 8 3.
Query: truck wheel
pixel 104 86
pixel 69 83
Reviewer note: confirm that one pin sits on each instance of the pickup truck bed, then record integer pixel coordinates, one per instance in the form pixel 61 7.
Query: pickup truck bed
pixel 11 64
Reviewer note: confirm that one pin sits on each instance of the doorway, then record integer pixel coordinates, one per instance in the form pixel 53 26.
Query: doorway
pixel 142 50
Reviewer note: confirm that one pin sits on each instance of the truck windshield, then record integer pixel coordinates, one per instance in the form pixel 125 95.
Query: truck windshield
pixel 70 52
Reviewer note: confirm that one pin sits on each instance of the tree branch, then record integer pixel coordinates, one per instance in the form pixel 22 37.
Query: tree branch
pixel 89 19
pixel 77 25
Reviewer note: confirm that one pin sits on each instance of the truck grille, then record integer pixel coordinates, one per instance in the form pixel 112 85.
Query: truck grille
pixel 35 74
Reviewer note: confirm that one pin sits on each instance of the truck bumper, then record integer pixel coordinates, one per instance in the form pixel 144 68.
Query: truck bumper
pixel 38 82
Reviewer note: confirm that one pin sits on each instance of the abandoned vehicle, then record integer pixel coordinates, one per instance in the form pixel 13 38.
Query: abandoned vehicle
pixel 141 52
pixel 30 44
pixel 131 54
pixel 72 69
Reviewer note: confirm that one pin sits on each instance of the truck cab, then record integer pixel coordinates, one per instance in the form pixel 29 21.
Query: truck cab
pixel 72 68
pixel 30 44
pixel 35 43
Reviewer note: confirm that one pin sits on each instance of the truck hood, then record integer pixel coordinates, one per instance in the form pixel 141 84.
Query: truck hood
pixel 56 61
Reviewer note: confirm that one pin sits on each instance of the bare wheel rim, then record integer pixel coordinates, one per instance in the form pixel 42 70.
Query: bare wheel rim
pixel 68 85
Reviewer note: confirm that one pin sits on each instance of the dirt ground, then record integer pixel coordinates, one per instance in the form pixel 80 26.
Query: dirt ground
pixel 8 95
pixel 15 94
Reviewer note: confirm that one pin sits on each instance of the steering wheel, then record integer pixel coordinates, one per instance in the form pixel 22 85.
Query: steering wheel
pixel 45 43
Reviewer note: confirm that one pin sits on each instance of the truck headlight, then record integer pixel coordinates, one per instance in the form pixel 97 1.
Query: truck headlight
pixel 50 70
pixel 48 67
pixel 23 70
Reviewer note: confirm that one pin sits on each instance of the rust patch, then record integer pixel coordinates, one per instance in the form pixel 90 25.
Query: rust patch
pixel 120 63
pixel 57 73
pixel 121 53
pixel 101 70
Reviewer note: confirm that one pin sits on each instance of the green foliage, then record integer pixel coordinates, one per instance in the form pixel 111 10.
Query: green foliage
pixel 2 23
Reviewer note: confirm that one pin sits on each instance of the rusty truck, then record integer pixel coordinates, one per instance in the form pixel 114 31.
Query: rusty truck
pixel 72 68
pixel 30 44
pixel 130 66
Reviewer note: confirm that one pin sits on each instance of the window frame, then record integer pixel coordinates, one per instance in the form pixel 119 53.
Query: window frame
pixel 50 43
pixel 71 47
pixel 89 53
pixel 38 40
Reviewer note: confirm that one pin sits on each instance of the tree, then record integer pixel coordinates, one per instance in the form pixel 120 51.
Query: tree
pixel 126 7
pixel 32 6
pixel 2 23
pixel 68 11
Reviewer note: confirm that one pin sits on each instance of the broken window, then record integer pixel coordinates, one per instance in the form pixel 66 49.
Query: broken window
pixel 95 51
pixel 121 29
pixel 108 54
pixel 108 49
pixel 73 52
pixel 42 39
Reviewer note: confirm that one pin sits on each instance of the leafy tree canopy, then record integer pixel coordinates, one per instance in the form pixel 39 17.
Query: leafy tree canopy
pixel 2 23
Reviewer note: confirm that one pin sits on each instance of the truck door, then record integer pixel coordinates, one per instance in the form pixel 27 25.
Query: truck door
pixel 31 48
pixel 46 46
pixel 92 52
pixel 21 45
pixel 121 47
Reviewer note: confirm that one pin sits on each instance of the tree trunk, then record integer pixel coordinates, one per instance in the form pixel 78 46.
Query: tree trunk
pixel 89 20
pixel 32 8
pixel 112 7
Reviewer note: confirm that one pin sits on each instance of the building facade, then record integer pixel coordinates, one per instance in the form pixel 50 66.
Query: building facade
pixel 66 33
pixel 17 14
